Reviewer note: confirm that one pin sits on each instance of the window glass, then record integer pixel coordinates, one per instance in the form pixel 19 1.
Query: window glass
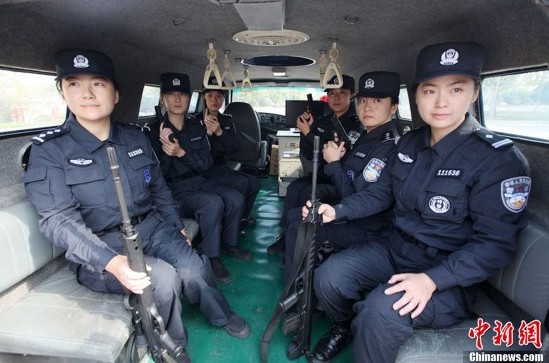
pixel 517 104
pixel 404 111
pixel 149 99
pixel 29 101
pixel 273 99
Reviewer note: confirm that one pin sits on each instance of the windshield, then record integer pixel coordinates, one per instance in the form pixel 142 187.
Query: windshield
pixel 273 99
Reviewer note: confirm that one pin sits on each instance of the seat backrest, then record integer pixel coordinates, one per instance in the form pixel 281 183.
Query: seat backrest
pixel 249 134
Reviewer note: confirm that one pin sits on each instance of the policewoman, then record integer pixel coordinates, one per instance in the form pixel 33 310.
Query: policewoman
pixel 222 133
pixel 459 191
pixel 354 170
pixel 70 183
pixel 183 148
pixel 299 191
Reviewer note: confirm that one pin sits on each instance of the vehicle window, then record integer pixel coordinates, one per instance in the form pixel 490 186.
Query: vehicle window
pixel 517 104
pixel 29 101
pixel 149 99
pixel 273 99
pixel 404 111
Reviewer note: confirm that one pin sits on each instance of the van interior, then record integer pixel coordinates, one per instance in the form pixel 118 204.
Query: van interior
pixel 267 53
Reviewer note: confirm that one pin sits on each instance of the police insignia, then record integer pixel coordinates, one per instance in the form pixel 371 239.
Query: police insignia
pixel 147 175
pixel 405 158
pixel 350 174
pixel 449 57
pixel 81 162
pixel 372 171
pixel 514 193
pixel 439 204
pixel 353 135
pixel 80 62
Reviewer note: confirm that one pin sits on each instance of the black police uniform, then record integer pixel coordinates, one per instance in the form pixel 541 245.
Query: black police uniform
pixel 220 172
pixel 459 207
pixel 359 169
pixel 299 190
pixel 217 208
pixel 70 183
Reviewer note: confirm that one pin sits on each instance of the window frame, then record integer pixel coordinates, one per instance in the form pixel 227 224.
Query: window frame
pixel 508 72
pixel 33 130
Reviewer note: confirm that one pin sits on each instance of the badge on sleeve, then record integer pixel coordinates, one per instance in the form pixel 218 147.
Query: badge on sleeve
pixel 147 176
pixel 350 174
pixel 372 171
pixel 514 193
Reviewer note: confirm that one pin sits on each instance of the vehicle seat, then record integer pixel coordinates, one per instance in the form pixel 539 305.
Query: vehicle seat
pixel 252 153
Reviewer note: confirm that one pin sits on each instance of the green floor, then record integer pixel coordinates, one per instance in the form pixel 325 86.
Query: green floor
pixel 253 291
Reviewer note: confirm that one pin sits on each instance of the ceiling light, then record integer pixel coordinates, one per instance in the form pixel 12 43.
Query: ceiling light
pixel 279 72
pixel 271 38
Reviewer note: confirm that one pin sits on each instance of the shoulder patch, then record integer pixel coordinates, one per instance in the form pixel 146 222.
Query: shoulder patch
pixel 50 134
pixel 514 193
pixel 493 139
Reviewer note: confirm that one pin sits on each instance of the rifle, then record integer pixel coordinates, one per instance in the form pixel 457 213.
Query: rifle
pixel 341 133
pixel 146 319
pixel 296 299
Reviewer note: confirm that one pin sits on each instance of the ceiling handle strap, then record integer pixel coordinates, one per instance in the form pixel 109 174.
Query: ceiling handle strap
pixel 227 79
pixel 332 69
pixel 211 68
pixel 246 82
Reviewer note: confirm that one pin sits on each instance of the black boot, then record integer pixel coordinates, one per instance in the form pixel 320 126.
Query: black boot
pixel 328 347
pixel 278 246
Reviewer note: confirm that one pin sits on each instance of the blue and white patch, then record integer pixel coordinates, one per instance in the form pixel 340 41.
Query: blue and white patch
pixel 81 162
pixel 353 135
pixel 405 158
pixel 514 193
pixel 135 152
pixel 350 174
pixel 372 171
pixel 448 173
pixel 147 176
pixel 320 129
pixel 197 138
pixel 439 204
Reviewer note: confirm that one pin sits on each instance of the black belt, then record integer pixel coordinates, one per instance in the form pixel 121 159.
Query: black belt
pixel 418 243
pixel 135 220
pixel 188 175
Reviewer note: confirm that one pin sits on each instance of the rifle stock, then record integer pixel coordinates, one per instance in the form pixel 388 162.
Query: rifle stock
pixel 146 318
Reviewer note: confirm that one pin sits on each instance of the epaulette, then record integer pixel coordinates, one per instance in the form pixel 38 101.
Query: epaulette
pixel 493 139
pixel 143 128
pixel 388 136
pixel 50 134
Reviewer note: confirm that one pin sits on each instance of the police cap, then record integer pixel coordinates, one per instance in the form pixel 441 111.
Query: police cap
pixel 175 82
pixel 348 83
pixel 71 62
pixel 444 59
pixel 379 85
